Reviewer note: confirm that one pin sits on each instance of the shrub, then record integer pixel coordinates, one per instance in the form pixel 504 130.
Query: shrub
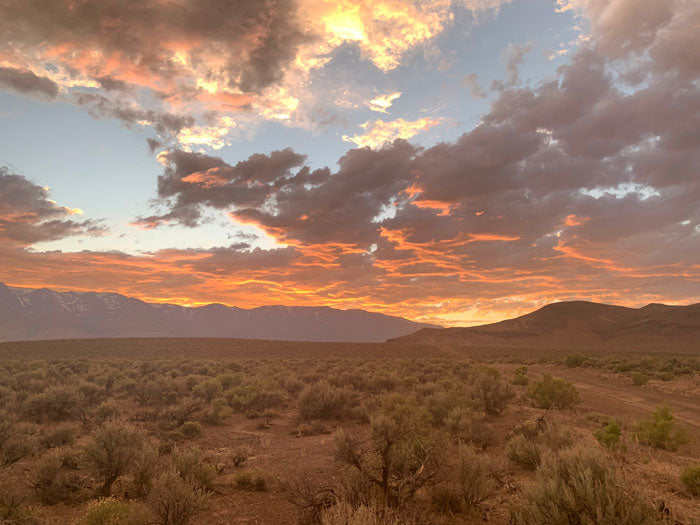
pixel 175 501
pixel 112 451
pixel 208 390
pixel 110 511
pixel 474 483
pixel 57 403
pixel 144 469
pixel 639 378
pixel 490 393
pixel 191 429
pixel 446 499
pixel 609 435
pixel 53 484
pixel 17 442
pixel 550 392
pixel 520 377
pixel 250 480
pixel 240 455
pixel 527 447
pixel 60 436
pixel 574 360
pixel 105 411
pixel 193 468
pixel 12 508
pixel 344 513
pixel 581 484
pixel 217 413
pixel 690 477
pixel 322 401
pixel 661 431
pixel 403 454
pixel 523 451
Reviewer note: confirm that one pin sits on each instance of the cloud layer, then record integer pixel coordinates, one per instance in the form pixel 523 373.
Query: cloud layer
pixel 585 185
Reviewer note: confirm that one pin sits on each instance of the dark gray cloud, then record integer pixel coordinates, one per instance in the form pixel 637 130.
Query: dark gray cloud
pixel 27 83
pixel 253 41
pixel 28 216
pixel 164 123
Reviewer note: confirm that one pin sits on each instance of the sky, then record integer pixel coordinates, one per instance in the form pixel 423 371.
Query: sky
pixel 449 161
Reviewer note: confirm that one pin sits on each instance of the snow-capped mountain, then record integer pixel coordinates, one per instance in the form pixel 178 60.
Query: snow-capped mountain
pixel 31 314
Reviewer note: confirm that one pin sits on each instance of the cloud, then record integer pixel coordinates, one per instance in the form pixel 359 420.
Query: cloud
pixel 382 103
pixel 379 132
pixel 471 81
pixel 513 56
pixel 28 216
pixel 204 59
pixel 26 82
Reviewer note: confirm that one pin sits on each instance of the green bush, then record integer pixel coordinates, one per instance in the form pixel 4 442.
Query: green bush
pixel 581 486
pixel 609 435
pixel 110 511
pixel 520 377
pixel 660 430
pixel 639 378
pixel 690 477
pixel 550 392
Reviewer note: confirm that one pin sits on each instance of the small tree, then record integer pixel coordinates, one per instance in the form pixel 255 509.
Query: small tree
pixel 112 451
pixel 402 455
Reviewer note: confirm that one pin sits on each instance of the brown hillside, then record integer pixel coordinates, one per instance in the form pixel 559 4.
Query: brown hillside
pixel 580 325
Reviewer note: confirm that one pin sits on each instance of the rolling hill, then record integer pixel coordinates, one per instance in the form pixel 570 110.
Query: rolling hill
pixel 579 325
pixel 36 314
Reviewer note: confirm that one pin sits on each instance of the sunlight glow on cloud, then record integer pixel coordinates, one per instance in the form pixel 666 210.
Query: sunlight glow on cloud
pixel 379 132
pixel 382 103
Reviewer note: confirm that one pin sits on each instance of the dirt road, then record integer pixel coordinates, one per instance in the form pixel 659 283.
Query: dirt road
pixel 615 396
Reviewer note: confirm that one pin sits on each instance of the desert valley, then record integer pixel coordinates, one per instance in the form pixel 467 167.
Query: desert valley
pixel 349 262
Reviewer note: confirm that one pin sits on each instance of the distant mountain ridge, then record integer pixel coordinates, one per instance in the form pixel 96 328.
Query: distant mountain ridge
pixel 580 325
pixel 34 314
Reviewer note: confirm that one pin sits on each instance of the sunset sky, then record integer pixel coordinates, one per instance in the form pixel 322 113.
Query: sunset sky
pixel 450 161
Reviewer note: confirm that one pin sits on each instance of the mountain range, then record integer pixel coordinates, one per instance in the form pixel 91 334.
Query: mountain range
pixel 35 314
pixel 579 325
